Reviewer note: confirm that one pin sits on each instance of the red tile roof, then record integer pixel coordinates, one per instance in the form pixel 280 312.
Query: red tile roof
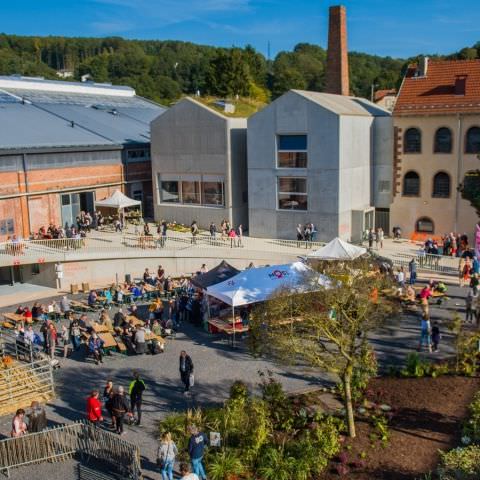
pixel 435 93
pixel 379 94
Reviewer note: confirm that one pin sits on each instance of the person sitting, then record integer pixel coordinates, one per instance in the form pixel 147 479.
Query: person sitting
pixel 19 426
pixel 136 292
pixel 92 298
pixel 410 295
pixel 441 287
pixel 105 320
pixel 95 347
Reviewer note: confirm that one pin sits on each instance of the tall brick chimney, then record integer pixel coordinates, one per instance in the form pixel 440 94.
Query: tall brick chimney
pixel 337 80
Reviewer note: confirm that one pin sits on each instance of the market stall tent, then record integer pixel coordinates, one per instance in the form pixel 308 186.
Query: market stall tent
pixel 223 271
pixel 338 249
pixel 118 200
pixel 259 284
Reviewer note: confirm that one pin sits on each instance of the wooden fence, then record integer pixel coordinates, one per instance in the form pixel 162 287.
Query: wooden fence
pixel 81 440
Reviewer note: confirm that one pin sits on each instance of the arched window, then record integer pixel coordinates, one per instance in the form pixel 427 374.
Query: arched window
pixel 411 184
pixel 443 141
pixel 441 185
pixel 472 144
pixel 424 225
pixel 412 141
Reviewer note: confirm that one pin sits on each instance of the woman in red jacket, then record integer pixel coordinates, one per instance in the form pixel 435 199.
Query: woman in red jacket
pixel 94 408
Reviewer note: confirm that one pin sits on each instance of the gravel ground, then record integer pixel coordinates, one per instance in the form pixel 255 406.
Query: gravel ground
pixel 217 365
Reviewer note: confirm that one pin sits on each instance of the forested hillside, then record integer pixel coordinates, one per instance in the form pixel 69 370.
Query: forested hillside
pixel 164 70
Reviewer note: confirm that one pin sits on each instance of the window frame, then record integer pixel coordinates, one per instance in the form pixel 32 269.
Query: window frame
pixel 291 151
pixel 466 151
pixel 303 194
pixel 405 141
pixel 417 230
pixel 435 151
pixel 449 185
pixel 419 185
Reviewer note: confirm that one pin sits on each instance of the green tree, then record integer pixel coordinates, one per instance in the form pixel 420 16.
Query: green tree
pixel 328 329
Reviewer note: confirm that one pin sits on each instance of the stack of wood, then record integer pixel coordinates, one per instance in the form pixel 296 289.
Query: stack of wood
pixel 21 384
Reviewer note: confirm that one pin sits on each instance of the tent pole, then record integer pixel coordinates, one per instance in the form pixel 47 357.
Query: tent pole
pixel 233 319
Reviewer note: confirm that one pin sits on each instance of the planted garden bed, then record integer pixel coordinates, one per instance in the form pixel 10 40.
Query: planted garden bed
pixel 426 416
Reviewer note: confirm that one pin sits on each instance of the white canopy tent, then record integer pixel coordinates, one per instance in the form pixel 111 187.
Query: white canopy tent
pixel 118 200
pixel 338 249
pixel 258 284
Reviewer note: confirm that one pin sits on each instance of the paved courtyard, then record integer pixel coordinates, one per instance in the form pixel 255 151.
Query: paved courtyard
pixel 217 365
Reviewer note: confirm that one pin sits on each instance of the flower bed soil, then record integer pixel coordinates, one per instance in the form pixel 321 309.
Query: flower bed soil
pixel 426 417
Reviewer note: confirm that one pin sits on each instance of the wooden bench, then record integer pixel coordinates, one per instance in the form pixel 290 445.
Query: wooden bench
pixel 16 318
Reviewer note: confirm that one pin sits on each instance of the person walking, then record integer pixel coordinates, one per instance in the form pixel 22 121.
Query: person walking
pixel 135 390
pixel 471 301
pixel 186 369
pixel 412 269
pixel 108 393
pixel 186 472
pixel 119 409
pixel 94 409
pixel 196 449
pixel 436 336
pixel 371 237
pixel 166 453
pixel 65 340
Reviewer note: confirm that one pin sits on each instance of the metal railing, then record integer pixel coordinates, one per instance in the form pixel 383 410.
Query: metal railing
pixel 60 443
pixel 435 263
pixel 16 346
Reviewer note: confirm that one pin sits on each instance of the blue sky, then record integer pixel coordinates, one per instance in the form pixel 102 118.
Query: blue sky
pixel 398 28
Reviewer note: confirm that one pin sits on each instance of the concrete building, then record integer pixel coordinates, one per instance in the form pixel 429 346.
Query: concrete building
pixel 437 135
pixel 321 158
pixel 199 165
pixel 64 144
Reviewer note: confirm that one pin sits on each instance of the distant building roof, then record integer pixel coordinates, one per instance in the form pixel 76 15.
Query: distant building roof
pixel 108 113
pixel 381 94
pixel 449 86
pixel 343 105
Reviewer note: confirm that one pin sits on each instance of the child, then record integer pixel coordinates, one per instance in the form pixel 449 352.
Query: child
pixel 435 336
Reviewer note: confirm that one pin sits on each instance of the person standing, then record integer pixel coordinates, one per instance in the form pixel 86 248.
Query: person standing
pixel 233 237
pixel 108 393
pixel 425 333
pixel 213 230
pixel 194 231
pixel 299 234
pixel 371 237
pixel 186 369
pixel 380 237
pixel 436 336
pixel 471 306
pixel 65 340
pixel 412 269
pixel 119 409
pixel 95 347
pixel 37 418
pixel 196 450
pixel 240 236
pixel 135 390
pixel 94 409
pixel 166 453
pixel 51 339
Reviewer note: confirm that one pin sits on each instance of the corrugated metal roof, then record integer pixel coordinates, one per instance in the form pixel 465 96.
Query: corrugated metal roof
pixel 25 126
pixel 104 119
pixel 343 105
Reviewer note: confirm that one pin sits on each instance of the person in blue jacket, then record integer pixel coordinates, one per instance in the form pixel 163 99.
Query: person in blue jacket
pixel 196 449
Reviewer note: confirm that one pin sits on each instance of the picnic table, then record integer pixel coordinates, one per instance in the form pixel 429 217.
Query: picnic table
pixel 15 318
pixel 136 321
pixel 108 340
pixel 100 328
pixel 82 306
pixel 152 336
pixel 222 326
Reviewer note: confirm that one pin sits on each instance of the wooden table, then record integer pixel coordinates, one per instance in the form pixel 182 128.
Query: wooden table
pixel 227 327
pixel 16 318
pixel 108 340
pixel 100 328
pixel 152 336
pixel 82 306
pixel 136 321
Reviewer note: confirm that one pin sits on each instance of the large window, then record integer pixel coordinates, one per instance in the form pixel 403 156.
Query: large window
pixel 412 141
pixel 169 191
pixel 411 184
pixel 472 144
pixel 443 141
pixel 192 189
pixel 191 192
pixel 441 185
pixel 292 193
pixel 292 151
pixel 212 193
pixel 424 225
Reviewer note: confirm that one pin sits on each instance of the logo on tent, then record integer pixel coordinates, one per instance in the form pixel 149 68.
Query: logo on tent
pixel 230 283
pixel 278 274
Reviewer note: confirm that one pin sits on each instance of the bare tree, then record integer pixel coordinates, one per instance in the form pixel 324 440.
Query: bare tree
pixel 327 329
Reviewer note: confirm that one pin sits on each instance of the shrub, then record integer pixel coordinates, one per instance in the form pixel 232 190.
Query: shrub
pixel 460 464
pixel 225 466
pixel 471 428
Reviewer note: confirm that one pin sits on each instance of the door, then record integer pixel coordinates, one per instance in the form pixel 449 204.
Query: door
pixel 382 219
pixel 369 220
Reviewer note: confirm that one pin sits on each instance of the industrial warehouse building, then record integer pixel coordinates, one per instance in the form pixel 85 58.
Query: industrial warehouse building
pixel 64 144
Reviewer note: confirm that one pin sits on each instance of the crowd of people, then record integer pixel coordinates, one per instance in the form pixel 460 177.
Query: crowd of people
pixel 306 233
